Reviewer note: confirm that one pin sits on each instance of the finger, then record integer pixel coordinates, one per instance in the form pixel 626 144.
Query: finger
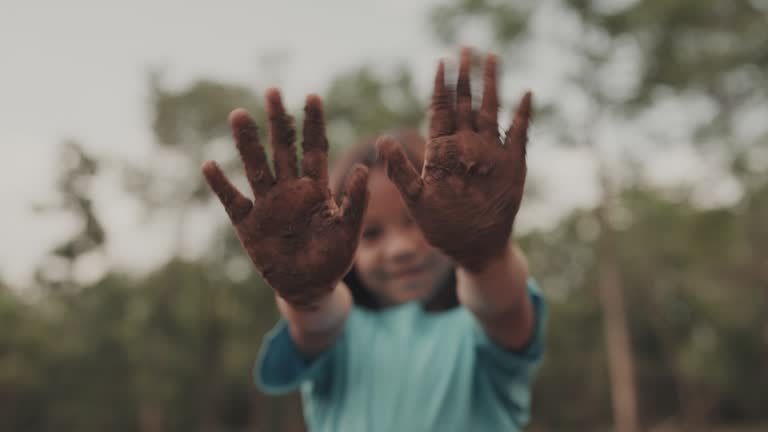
pixel 246 135
pixel 399 169
pixel 487 122
pixel 517 134
pixel 354 203
pixel 282 137
pixel 441 117
pixel 236 205
pixel 315 161
pixel 463 92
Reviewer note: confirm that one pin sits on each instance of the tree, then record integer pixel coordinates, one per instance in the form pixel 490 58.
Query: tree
pixel 712 53
pixel 364 102
pixel 77 170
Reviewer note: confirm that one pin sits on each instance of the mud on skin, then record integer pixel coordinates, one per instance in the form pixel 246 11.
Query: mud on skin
pixel 298 237
pixel 467 196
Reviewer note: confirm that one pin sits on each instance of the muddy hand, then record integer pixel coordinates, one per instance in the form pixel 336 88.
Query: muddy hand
pixel 300 240
pixel 470 187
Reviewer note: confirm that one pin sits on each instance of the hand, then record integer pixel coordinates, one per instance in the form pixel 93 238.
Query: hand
pixel 469 191
pixel 300 240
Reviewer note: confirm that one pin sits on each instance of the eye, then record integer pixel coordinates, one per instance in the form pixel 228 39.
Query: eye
pixel 372 233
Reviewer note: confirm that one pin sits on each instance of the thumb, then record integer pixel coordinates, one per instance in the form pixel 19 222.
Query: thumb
pixel 517 134
pixel 236 205
pixel 399 169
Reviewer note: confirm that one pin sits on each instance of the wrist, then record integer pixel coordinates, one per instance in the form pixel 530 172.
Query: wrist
pixel 478 264
pixel 498 287
pixel 321 314
pixel 483 267
pixel 306 298
pixel 315 330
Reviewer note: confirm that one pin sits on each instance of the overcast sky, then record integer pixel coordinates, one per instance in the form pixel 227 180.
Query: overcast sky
pixel 77 69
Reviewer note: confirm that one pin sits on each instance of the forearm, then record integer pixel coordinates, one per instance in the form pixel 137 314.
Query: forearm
pixel 497 296
pixel 315 330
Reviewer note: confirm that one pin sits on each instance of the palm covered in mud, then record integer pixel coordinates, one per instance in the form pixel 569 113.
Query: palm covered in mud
pixel 466 198
pixel 300 239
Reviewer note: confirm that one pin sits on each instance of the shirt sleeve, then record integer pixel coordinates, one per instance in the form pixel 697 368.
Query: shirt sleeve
pixel 505 378
pixel 508 362
pixel 281 368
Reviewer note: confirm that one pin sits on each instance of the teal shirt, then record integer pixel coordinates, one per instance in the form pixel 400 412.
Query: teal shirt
pixel 405 369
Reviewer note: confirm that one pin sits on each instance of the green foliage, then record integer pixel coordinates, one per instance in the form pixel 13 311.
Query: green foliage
pixel 389 102
pixel 76 172
pixel 189 125
pixel 695 314
pixel 194 116
pixel 707 40
pixel 506 20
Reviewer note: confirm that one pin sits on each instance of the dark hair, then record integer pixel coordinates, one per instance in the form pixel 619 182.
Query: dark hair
pixel 364 153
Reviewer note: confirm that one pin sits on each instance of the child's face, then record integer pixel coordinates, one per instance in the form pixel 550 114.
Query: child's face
pixel 393 259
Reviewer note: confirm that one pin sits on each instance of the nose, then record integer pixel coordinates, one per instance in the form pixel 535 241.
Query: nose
pixel 402 247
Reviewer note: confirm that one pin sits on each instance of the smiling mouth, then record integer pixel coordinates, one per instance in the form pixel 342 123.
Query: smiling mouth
pixel 410 272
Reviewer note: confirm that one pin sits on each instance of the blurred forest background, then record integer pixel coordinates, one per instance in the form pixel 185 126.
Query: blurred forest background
pixel 658 294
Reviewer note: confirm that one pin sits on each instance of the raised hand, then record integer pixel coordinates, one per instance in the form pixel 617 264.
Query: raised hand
pixel 300 240
pixel 470 187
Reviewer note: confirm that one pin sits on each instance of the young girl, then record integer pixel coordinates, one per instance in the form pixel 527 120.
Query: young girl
pixel 415 313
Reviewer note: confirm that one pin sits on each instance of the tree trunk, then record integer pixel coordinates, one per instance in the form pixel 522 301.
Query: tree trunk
pixel 213 334
pixel 615 328
pixel 150 417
